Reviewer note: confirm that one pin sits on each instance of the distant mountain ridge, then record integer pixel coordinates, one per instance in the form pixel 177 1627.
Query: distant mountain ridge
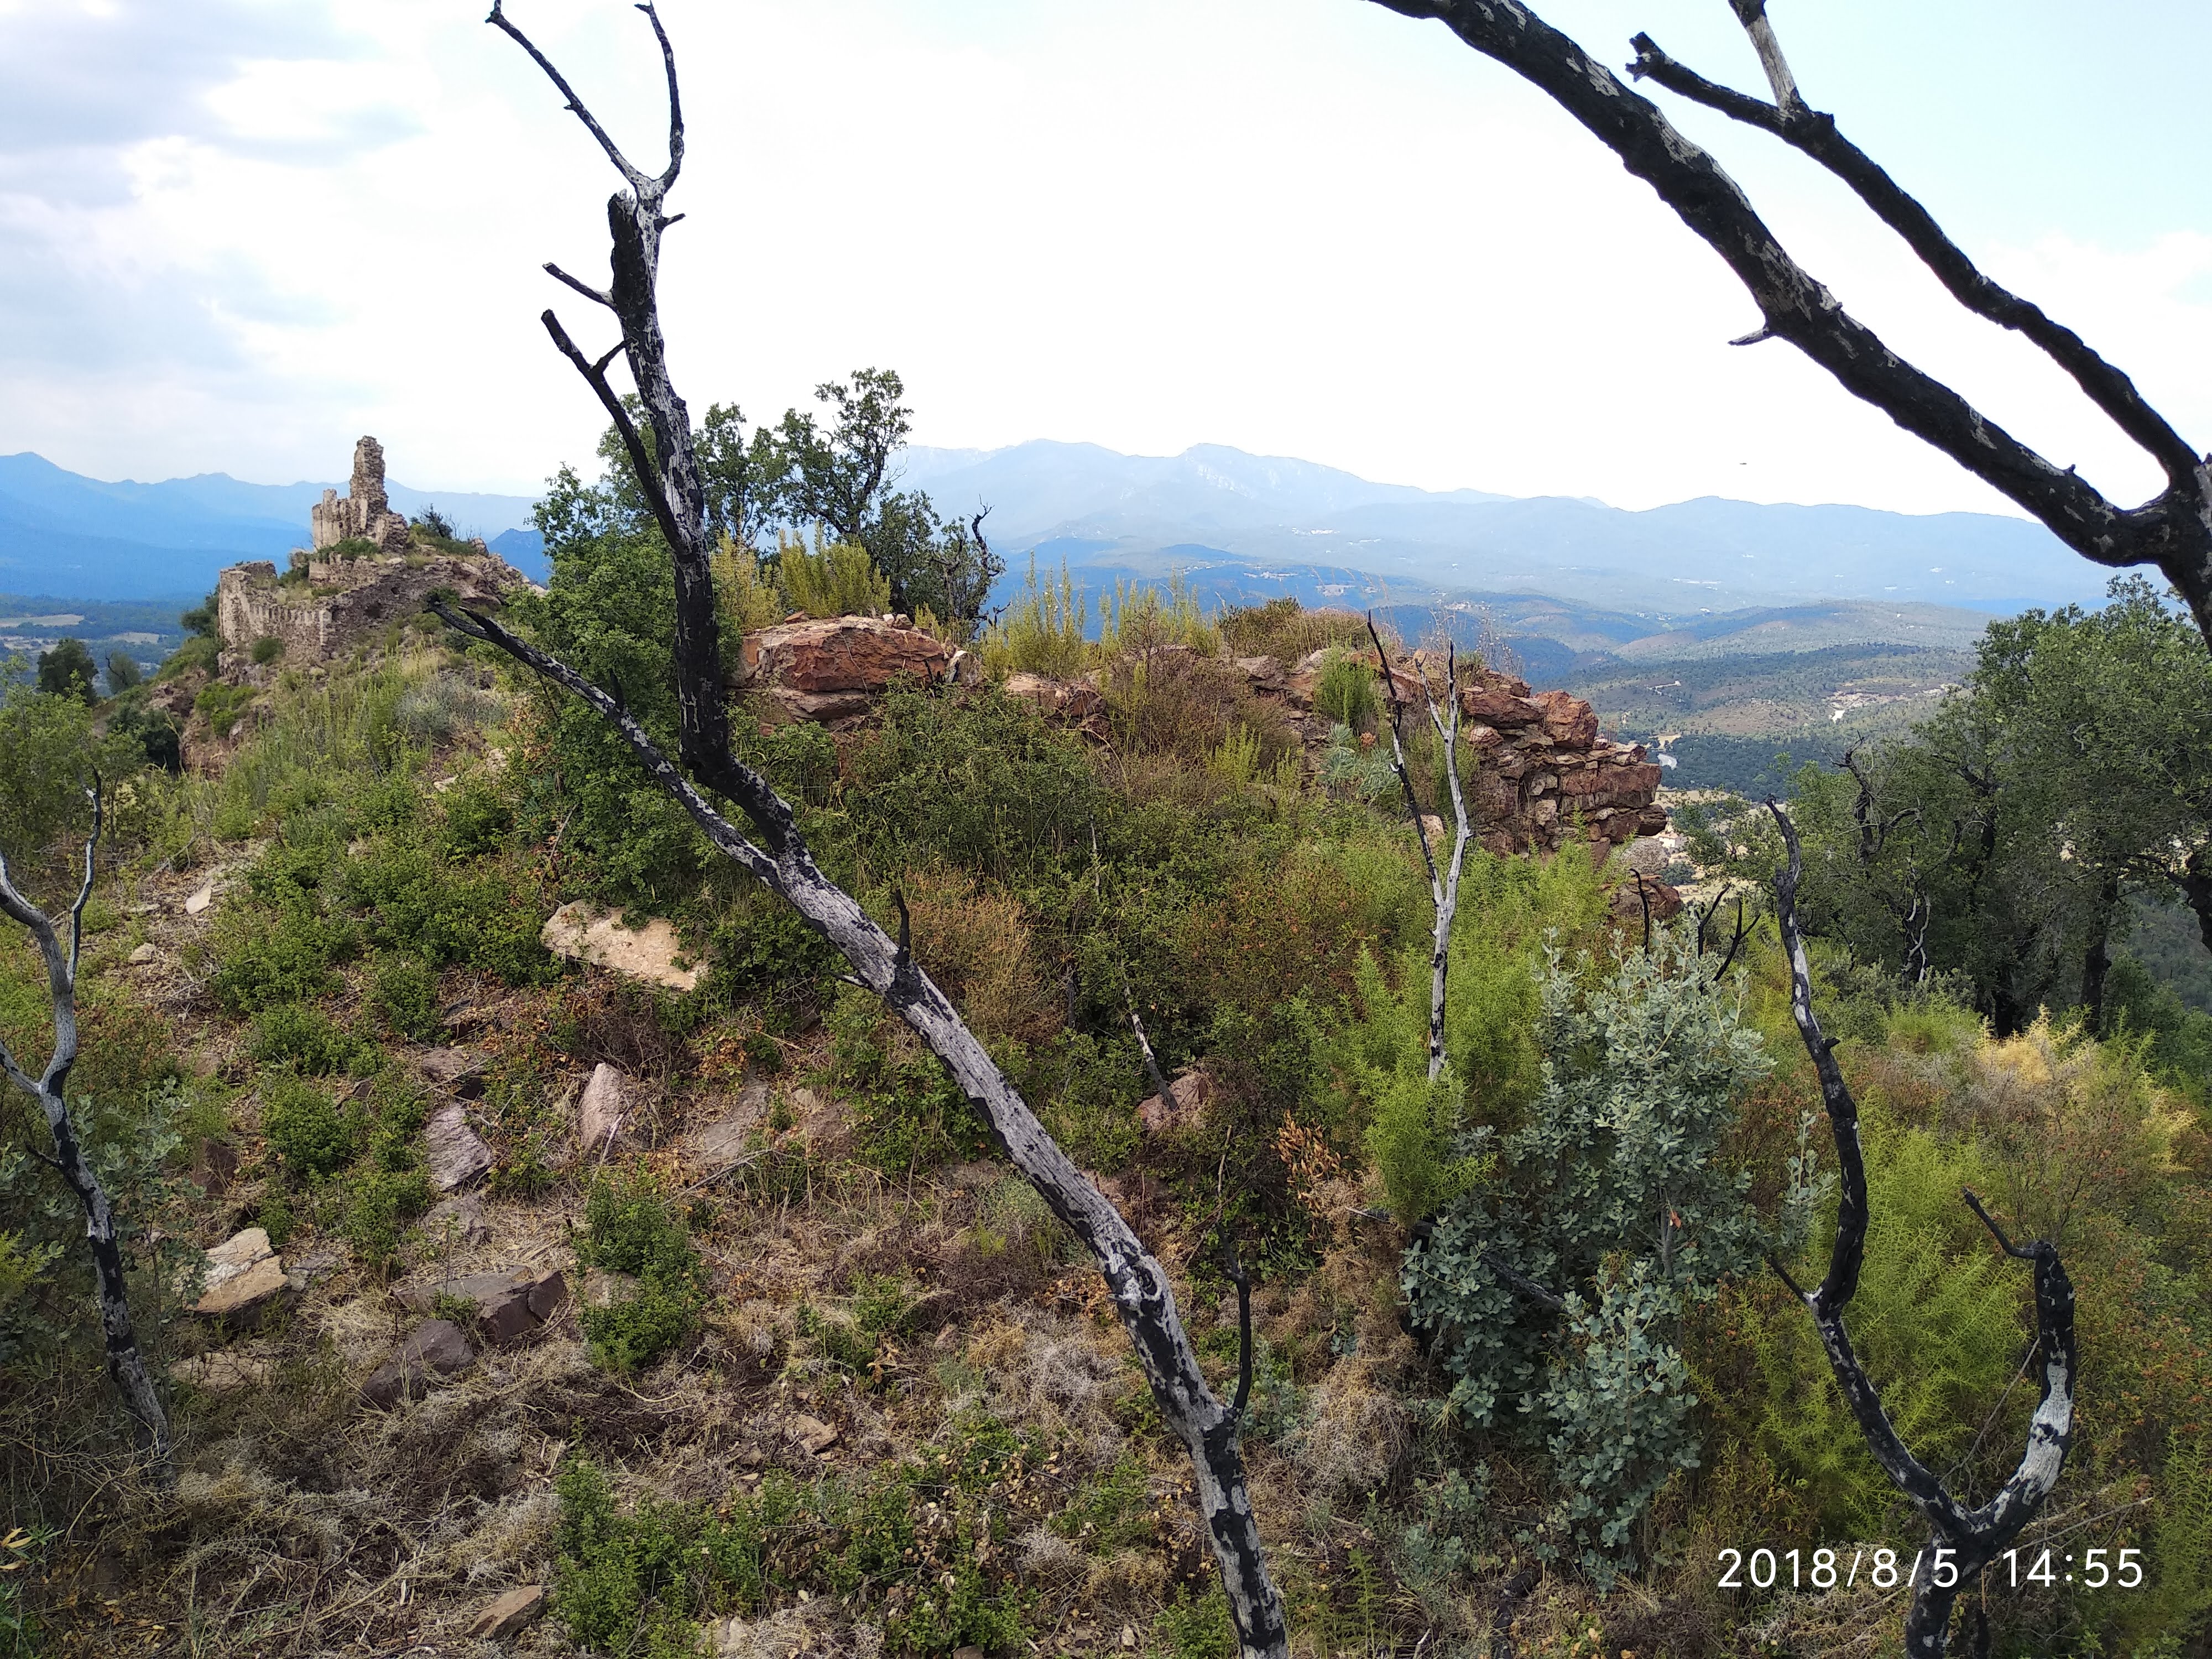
pixel 61 533
pixel 1237 525
pixel 1212 505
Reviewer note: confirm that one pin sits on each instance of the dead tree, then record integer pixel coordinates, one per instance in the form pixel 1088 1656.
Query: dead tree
pixel 2172 530
pixel 1444 888
pixel 1961 1541
pixel 777 854
pixel 125 1364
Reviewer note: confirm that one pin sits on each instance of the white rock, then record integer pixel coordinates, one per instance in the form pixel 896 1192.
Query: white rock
pixel 202 896
pixel 458 1154
pixel 581 933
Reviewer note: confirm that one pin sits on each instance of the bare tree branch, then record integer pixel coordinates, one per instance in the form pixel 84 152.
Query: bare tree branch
pixel 668 471
pixel 638 181
pixel 2174 529
pixel 1975 1537
pixel 126 1364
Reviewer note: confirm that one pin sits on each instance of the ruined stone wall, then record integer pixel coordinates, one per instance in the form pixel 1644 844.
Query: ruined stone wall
pixel 1544 770
pixel 321 622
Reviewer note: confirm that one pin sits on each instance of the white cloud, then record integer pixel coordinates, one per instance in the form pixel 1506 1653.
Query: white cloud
pixel 1302 227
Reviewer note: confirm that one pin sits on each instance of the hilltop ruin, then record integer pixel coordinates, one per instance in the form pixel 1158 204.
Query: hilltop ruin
pixel 367 568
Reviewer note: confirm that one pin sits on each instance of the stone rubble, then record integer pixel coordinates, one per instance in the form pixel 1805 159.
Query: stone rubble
pixel 436 1351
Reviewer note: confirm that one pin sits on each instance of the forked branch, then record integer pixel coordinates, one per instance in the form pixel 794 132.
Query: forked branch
pixel 126 1364
pixel 2174 529
pixel 667 469
pixel 1963 1540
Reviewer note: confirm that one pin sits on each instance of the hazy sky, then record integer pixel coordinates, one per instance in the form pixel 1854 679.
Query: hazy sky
pixel 234 235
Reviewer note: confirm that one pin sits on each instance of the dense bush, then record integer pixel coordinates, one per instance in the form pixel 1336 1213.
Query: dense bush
pixel 630 1227
pixel 305 1128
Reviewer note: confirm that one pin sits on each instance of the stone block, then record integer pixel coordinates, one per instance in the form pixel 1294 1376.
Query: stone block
pixel 456 1153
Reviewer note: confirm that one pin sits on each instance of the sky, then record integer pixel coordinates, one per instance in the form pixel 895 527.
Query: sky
pixel 236 235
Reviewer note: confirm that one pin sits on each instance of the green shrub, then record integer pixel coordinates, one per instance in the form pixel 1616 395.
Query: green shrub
pixel 404 989
pixel 280 954
pixel 1040 632
pixel 266 649
pixel 838 580
pixel 477 817
pixel 305 1039
pixel 379 1205
pixel 306 1129
pixel 222 705
pixel 629 1228
pixel 1345 691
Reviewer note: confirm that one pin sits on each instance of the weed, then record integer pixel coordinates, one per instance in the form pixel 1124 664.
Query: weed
pixel 630 1227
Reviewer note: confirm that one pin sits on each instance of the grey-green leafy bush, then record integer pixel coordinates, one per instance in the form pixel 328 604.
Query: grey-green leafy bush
pixel 1614 1193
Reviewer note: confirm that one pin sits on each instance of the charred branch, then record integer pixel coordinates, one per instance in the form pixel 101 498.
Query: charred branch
pixel 126 1364
pixel 1443 889
pixel 2174 529
pixel 777 853
pixel 1973 1538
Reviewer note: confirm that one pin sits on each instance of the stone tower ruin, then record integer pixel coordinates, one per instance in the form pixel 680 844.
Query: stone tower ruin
pixel 363 512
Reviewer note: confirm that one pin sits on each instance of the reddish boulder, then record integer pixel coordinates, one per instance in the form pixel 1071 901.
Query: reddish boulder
pixel 1494 705
pixel 1568 720
pixel 840 654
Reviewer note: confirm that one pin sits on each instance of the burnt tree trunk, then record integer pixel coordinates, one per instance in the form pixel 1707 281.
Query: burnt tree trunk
pixel 1961 1541
pixel 667 472
pixel 2172 530
pixel 1443 886
pixel 126 1365
pixel 2097 960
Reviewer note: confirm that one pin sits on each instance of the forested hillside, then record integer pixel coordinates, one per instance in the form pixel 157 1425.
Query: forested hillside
pixel 681 1305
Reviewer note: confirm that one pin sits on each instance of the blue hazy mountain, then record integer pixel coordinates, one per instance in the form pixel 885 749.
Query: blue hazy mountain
pixel 1238 526
pixel 61 533
pixel 1220 511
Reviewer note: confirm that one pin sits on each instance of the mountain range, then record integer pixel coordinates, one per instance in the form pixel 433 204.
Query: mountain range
pixel 1563 577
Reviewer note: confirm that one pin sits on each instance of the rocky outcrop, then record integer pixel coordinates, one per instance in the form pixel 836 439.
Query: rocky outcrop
pixel 363 512
pixel 342 602
pixel 832 670
pixel 1546 777
pixel 244 1274
pixel 510 1302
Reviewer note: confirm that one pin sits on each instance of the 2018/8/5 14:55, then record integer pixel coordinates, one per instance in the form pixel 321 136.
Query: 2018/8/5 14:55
pixel 1763 1568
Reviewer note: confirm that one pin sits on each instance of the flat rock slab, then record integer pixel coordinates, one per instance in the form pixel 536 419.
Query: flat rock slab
pixel 144 954
pixel 457 1154
pixel 200 898
pixel 509 1615
pixel 437 1350
pixel 510 1302
pixel 220 1373
pixel 812 1433
pixel 454 1070
pixel 602 1117
pixel 582 933
pixel 243 1275
pixel 458 1220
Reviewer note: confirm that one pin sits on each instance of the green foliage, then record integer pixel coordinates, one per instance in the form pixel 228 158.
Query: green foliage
pixel 836 580
pixel 1345 691
pixel 609 612
pixel 221 705
pixel 1283 630
pixel 906 1541
pixel 1936 1320
pixel 123 672
pixel 266 650
pixel 68 671
pixel 404 989
pixel 281 950
pixel 379 1205
pixel 49 756
pixel 629 1228
pixel 1614 1191
pixel 1198 1626
pixel 1421 1135
pixel 306 1129
pixel 1358 766
pixel 305 1038
pixel 414 893
pixel 199 620
pixel 1040 632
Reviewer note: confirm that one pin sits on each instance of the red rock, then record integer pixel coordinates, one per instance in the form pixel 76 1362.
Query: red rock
pixel 1568 720
pixel 1071 700
pixel 1499 708
pixel 841 653
pixel 1630 898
